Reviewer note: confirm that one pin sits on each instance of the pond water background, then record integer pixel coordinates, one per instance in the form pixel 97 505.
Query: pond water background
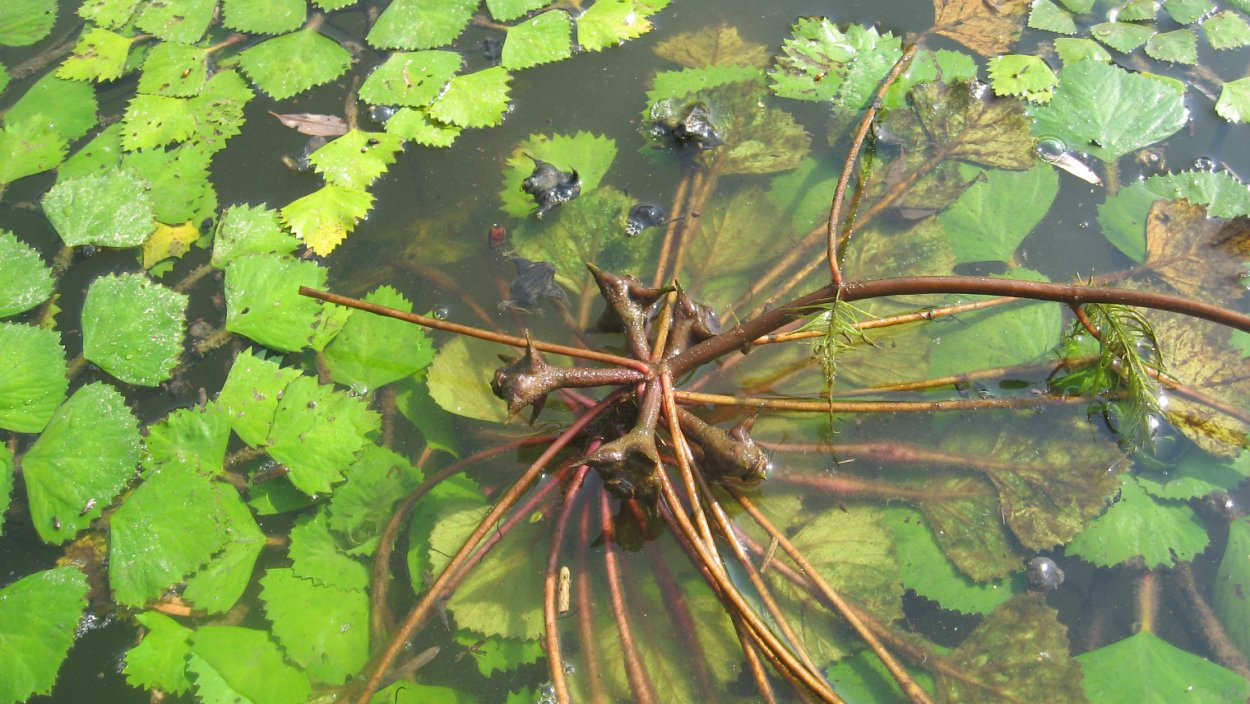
pixel 458 187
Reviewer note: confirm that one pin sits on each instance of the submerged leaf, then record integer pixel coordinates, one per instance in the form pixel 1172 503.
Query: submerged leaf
pixel 1201 356
pixel 986 28
pixel 133 328
pixel 1232 584
pixel 1198 256
pixel 1137 525
pixel 993 216
pixel 955 121
pixel 460 379
pixel 34 382
pixel 717 45
pixel 733 238
pixel 1160 672
pixel 39 617
pixel 362 506
pixel 925 569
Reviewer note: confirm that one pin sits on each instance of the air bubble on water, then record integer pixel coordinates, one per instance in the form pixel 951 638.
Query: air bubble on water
pixel 1204 163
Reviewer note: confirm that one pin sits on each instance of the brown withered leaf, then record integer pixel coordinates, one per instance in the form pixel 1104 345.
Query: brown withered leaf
pixel 987 27
pixel 961 120
pixel 313 124
pixel 1200 355
pixel 970 530
pixel 720 45
pixel 1196 255
pixel 1019 653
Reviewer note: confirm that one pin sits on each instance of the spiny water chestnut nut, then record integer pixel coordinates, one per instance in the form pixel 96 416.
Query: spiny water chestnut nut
pixel 550 186
pixel 687 127
pixel 642 216
pixel 534 282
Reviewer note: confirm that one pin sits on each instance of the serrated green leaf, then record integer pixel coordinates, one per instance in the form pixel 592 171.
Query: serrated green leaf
pixel 68 107
pixel 1121 36
pixel 356 159
pixel 293 63
pixel 412 79
pixel 455 495
pixel 317 556
pixel 25 281
pixel 1073 50
pixel 497 655
pixel 85 456
pixel 927 67
pixel 168 528
pixel 270 17
pixel 39 617
pixel 479 603
pixel 1108 112
pixel 251 393
pixel 25 22
pixel 311 415
pixel 325 217
pixel 190 438
pixel 416 125
pixel 276 496
pixel 218 109
pixel 175 70
pixel 108 210
pixel 1187 11
pixel 459 379
pixel 178 181
pixel 263 301
pixel 103 153
pixel 156 120
pixel 590 155
pixel 133 328
pixel 1160 672
pixel 1220 191
pixel 1180 47
pixel 507 10
pixel 1025 76
pixel 821 61
pixel 690 81
pixel 217 587
pixel 1080 7
pixel 323 629
pixel 34 384
pixel 108 13
pixel 332 5
pixel 159 660
pixel 1226 30
pixel 611 22
pixel 474 100
pixel 245 229
pixel 100 55
pixel 234 665
pixel 1194 475
pixel 183 21
pixel 421 24
pixel 29 147
pixel 994 215
pixel 1234 102
pixel 1049 17
pixel 925 569
pixel 1160 532
pixel 1137 11
pixel 362 506
pixel 372 351
pixel 544 38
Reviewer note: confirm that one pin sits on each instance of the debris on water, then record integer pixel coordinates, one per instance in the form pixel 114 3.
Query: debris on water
pixel 534 282
pixel 497 237
pixel 1043 574
pixel 642 216
pixel 685 127
pixel 492 49
pixel 303 162
pixel 550 186
pixel 1055 152
pixel 381 114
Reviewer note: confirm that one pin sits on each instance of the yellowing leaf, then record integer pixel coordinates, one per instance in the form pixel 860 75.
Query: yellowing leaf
pixel 169 241
pixel 985 27
pixel 324 218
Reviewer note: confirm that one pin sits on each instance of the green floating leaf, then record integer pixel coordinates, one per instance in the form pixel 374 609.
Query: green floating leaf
pixel 611 22
pixel 1018 653
pixel 103 153
pixel 25 281
pixel 590 155
pixel 312 415
pixel 1146 668
pixel 210 118
pixel 270 17
pixel 217 587
pixel 317 556
pixel 178 181
pixel 819 59
pixel 1234 102
pixel 100 55
pixel 113 14
pixel 1026 76
pixel 416 125
pixel 263 301
pixel 459 379
pixel 497 655
pixel 1073 50
pixel 421 24
pixel 356 159
pixel 373 351
pixel 323 629
pixel 1121 36
pixel 1080 7
pixel 133 328
pixel 925 569
pixel 508 10
pixel 25 22
pixel 34 384
pixel 1232 584
pixel 325 217
pixel 362 506
pixel 159 660
pixel 1187 11
pixel 183 21
pixel 39 617
pixel 168 528
pixel 474 100
pixel 1179 47
pixel 541 39
pixel 293 63
pixel 994 215
pixel 1221 192
pixel 1138 11
pixel 176 70
pixel 412 79
pixel 108 210
pixel 405 692
pixel 234 664
pixel 244 230
pixel 1049 17
pixel 1226 30
pixel 190 438
pixel 1194 475
pixel 332 5
pixel 251 393
pixel 1108 112
pixel 6 483
pixel 84 458
pixel 1160 532
pixel 29 147
pixel 68 107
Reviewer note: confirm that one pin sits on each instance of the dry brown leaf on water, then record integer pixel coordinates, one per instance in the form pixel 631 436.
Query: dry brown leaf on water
pixel 1196 255
pixel 715 46
pixel 987 27
pixel 1201 356
pixel 313 124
